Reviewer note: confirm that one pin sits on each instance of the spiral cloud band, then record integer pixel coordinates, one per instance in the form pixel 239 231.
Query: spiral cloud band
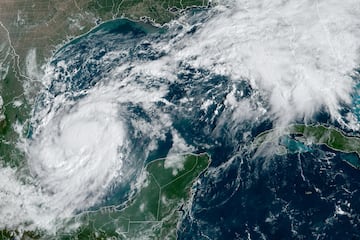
pixel 76 154
pixel 298 55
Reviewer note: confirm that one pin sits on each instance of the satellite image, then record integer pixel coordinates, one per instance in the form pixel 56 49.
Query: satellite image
pixel 179 119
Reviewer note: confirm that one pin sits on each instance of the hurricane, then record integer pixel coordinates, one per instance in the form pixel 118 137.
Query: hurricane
pixel 209 81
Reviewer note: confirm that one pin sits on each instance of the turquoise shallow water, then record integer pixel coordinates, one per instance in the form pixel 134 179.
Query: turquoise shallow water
pixel 243 194
pixel 294 146
pixel 351 158
pixel 120 26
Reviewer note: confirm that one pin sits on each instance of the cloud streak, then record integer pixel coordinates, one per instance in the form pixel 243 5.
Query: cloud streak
pixel 301 54
pixel 297 56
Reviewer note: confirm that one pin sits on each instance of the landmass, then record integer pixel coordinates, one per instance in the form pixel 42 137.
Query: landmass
pixel 320 134
pixel 30 32
pixel 154 211
pixel 33 28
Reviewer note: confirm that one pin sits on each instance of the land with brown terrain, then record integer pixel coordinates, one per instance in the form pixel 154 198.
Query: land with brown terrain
pixel 30 32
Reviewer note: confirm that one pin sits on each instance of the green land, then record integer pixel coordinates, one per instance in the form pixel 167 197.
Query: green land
pixel 154 212
pixel 331 137
pixel 32 30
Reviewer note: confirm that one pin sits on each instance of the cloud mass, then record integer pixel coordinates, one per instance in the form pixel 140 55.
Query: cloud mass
pixel 298 55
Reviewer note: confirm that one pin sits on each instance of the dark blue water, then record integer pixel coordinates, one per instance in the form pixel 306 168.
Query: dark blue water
pixel 87 53
pixel 293 196
pixel 356 95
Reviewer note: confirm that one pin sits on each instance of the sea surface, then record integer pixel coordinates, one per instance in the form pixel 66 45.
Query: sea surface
pixel 169 106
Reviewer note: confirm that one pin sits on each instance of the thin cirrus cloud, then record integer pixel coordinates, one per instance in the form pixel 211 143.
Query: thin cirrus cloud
pixel 301 54
pixel 298 54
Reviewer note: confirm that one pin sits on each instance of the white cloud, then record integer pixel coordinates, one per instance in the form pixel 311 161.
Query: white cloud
pixel 78 148
pixel 300 53
pixel 75 155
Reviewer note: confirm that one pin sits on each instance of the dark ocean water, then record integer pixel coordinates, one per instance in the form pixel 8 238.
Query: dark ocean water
pixel 309 193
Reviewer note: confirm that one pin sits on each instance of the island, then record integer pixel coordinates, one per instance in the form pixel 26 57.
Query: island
pixel 320 134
